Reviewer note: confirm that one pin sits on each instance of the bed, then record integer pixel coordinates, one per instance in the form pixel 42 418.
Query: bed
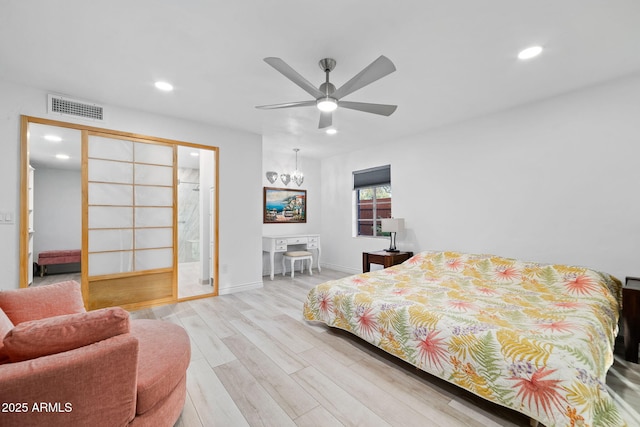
pixel 536 338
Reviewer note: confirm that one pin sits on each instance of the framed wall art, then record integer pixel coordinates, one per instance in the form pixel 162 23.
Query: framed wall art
pixel 284 205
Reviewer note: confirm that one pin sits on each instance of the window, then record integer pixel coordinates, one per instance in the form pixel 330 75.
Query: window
pixel 372 189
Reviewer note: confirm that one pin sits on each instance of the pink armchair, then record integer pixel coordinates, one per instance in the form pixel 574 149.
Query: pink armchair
pixel 63 366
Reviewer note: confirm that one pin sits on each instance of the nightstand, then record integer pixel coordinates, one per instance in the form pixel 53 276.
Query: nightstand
pixel 387 259
pixel 631 318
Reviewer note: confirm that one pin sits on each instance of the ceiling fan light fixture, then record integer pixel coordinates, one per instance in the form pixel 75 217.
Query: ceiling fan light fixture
pixel 327 104
pixel 331 131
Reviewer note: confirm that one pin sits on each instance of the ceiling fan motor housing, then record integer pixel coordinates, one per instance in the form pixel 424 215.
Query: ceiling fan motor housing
pixel 327 88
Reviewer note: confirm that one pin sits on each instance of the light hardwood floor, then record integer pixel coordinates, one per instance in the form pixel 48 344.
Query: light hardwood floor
pixel 256 362
pixel 55 278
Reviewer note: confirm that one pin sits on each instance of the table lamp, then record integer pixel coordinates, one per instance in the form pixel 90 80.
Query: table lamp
pixel 392 226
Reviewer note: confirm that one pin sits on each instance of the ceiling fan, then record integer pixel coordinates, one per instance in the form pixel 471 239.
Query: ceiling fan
pixel 327 98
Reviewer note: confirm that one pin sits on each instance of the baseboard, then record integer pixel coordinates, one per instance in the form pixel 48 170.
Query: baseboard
pixel 240 288
pixel 277 270
pixel 341 268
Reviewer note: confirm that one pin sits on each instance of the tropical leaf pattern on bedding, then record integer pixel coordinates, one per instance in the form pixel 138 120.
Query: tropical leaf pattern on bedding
pixel 536 338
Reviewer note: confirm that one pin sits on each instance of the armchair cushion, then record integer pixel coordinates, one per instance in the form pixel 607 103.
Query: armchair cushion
pixel 5 326
pixel 37 338
pixel 22 305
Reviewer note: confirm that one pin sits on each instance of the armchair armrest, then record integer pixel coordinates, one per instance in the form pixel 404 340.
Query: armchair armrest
pixel 93 385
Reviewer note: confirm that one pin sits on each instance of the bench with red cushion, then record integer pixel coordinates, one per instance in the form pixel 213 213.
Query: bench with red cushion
pixel 65 256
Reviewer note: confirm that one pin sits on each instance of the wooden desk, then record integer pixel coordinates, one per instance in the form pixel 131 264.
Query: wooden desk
pixel 387 259
pixel 275 244
pixel 631 318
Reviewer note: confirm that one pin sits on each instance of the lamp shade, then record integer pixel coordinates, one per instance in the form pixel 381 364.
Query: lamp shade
pixel 392 225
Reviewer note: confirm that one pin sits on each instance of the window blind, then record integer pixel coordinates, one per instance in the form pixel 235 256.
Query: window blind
pixel 372 177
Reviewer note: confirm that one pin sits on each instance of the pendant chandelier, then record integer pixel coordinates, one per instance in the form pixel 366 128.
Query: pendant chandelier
pixel 296 176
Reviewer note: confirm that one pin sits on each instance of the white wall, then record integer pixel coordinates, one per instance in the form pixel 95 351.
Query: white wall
pixel 554 181
pixel 57 210
pixel 240 193
pixel 284 162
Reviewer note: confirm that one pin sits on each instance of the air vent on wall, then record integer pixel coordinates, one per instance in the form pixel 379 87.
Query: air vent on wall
pixel 75 108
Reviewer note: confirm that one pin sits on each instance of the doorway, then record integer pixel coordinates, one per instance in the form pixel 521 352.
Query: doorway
pixel 196 210
pixel 55 204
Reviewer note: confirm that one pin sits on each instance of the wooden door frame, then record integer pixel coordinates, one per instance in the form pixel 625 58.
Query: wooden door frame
pixel 85 129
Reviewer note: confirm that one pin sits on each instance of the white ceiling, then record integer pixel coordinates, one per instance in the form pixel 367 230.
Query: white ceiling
pixel 42 153
pixel 455 59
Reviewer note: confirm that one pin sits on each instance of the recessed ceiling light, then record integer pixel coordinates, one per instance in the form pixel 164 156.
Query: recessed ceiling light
pixel 331 131
pixel 62 156
pixel 530 52
pixel 52 138
pixel 164 86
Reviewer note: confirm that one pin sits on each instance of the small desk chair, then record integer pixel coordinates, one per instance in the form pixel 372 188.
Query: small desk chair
pixel 294 256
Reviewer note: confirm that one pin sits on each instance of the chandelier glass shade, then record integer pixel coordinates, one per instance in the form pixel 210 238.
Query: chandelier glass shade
pixel 272 176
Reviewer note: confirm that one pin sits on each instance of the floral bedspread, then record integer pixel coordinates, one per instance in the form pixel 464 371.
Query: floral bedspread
pixel 537 338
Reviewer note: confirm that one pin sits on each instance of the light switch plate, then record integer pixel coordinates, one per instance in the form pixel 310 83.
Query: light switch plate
pixel 6 217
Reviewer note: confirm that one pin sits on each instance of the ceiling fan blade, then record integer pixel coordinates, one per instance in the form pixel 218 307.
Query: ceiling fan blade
pixel 376 70
pixel 326 119
pixel 382 109
pixel 294 76
pixel 287 105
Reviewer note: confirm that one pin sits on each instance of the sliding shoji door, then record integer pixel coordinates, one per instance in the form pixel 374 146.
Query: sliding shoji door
pixel 130 221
